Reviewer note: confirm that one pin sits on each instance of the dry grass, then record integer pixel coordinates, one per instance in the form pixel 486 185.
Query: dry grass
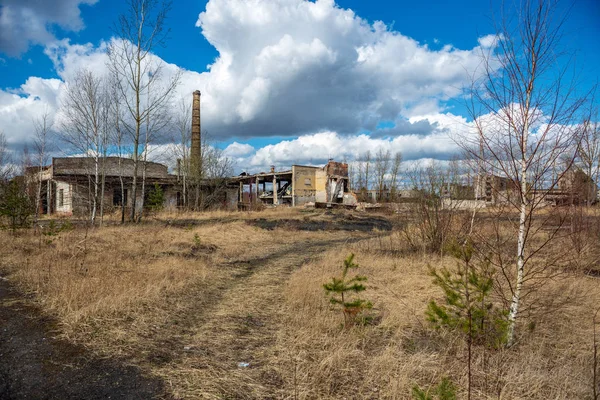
pixel 189 297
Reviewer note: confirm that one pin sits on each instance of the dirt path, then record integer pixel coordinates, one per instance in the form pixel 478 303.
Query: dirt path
pixel 227 355
pixel 218 349
pixel 36 365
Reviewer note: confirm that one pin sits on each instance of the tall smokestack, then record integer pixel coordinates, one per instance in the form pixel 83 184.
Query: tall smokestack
pixel 195 154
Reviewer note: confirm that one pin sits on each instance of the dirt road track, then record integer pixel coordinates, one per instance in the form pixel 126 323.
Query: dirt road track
pixel 238 322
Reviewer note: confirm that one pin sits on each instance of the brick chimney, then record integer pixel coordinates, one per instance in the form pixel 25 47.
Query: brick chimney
pixel 195 153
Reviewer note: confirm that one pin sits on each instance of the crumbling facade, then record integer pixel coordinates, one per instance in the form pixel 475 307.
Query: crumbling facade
pixel 578 187
pixel 298 186
pixel 67 184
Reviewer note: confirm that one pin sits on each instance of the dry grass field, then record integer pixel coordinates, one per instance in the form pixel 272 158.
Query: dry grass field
pixel 231 306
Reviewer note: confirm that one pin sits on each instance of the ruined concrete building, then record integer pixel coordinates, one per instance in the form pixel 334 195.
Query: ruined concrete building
pixel 298 186
pixel 573 187
pixel 67 183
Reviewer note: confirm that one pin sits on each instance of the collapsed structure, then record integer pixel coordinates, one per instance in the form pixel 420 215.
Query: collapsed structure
pixel 68 183
pixel 574 186
pixel 298 186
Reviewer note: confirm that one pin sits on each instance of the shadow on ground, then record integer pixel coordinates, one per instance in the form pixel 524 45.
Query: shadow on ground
pixel 36 365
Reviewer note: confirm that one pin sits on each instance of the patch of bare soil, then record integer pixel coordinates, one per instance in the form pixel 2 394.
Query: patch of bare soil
pixel 337 223
pixel 36 365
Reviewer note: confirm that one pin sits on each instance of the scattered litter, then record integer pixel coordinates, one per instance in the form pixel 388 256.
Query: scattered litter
pixel 243 365
pixel 187 348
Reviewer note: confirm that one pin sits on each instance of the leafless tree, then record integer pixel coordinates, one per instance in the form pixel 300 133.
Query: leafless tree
pixel 216 168
pixel 6 166
pixel 367 162
pixel 395 173
pixel 525 110
pixel 118 140
pixel 145 90
pixel 181 151
pixel 363 165
pixel 85 127
pixel 382 169
pixel 435 217
pixel 588 153
pixel 42 126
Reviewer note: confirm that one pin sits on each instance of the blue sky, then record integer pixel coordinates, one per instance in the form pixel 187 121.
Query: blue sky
pixel 262 102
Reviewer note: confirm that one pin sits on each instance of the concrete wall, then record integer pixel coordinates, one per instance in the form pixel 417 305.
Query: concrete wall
pixel 303 185
pixel 321 186
pixel 452 204
pixel 64 190
pixel 86 166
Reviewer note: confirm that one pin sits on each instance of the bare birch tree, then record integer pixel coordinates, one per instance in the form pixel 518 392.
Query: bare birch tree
pixel 145 90
pixel 382 167
pixel 395 172
pixel 85 127
pixel 118 140
pixel 6 167
pixel 588 153
pixel 181 151
pixel 525 110
pixel 42 126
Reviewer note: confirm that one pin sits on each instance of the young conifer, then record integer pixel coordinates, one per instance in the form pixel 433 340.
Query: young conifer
pixel 340 292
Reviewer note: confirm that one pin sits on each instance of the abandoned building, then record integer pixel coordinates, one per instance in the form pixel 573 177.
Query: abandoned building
pixel 573 187
pixel 494 189
pixel 296 187
pixel 67 183
pixel 578 187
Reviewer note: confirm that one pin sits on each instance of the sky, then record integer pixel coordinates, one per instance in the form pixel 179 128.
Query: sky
pixel 285 81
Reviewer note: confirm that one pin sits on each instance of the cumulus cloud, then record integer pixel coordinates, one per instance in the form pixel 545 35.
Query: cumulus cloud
pixel 316 149
pixel 19 108
pixel 23 22
pixel 489 41
pixel 308 70
pixel 235 150
pixel 293 66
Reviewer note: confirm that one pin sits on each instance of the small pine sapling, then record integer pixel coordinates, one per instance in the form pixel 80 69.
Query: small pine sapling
pixel 467 293
pixel 467 307
pixel 156 198
pixel 340 290
pixel 445 390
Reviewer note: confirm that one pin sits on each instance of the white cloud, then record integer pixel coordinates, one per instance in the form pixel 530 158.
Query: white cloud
pixel 23 22
pixel 236 150
pixel 316 149
pixel 18 108
pixel 489 41
pixel 294 66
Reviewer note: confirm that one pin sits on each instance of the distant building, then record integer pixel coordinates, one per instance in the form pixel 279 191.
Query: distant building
pixel 494 189
pixel 300 185
pixel 67 183
pixel 578 187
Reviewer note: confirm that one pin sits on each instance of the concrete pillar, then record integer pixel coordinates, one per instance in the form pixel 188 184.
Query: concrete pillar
pixel 48 197
pixel 293 183
pixel 241 194
pixel 275 188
